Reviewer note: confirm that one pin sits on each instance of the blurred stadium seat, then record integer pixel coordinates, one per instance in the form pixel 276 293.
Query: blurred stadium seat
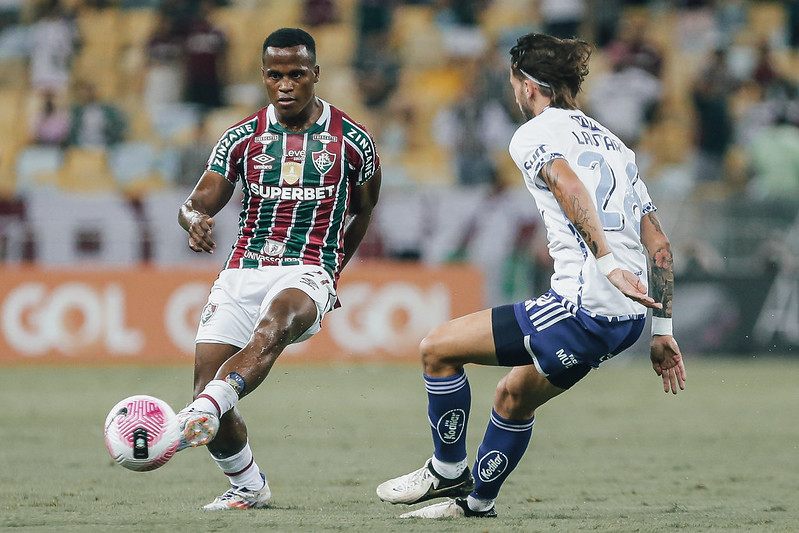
pixel 85 170
pixel 37 167
pixel 134 167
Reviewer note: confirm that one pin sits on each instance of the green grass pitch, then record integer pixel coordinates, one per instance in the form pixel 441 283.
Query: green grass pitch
pixel 614 454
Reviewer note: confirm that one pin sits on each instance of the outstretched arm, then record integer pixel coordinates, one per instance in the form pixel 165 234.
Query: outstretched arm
pixel 575 200
pixel 196 214
pixel 364 198
pixel 663 351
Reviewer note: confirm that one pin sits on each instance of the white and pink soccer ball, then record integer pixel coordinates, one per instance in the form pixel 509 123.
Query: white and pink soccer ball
pixel 142 433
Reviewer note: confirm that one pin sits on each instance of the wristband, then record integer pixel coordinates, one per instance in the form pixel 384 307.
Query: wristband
pixel 661 326
pixel 607 264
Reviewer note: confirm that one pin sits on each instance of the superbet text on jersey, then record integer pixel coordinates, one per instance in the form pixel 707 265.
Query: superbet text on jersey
pixel 296 186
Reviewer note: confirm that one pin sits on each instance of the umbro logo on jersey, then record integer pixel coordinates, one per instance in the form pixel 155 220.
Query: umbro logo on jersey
pixel 263 161
pixel 267 138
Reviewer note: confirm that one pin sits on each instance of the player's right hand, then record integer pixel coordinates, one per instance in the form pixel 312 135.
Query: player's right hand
pixel 200 229
pixel 632 287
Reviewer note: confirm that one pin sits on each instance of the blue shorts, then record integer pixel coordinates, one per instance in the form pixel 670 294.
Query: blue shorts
pixel 562 341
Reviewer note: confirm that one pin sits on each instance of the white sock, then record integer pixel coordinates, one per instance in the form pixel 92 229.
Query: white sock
pixel 242 470
pixel 217 397
pixel 478 505
pixel 449 470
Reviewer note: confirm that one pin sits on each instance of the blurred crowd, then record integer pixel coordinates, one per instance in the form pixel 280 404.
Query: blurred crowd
pixel 123 99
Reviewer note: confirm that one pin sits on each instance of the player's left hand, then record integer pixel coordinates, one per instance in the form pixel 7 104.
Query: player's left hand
pixel 632 287
pixel 667 362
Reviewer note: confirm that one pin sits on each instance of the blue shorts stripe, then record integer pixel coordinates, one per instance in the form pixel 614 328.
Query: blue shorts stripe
pixel 561 340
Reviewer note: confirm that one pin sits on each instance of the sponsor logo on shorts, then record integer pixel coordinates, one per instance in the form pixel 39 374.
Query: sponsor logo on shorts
pixel 450 426
pixel 208 312
pixel 308 281
pixel 566 359
pixel 492 465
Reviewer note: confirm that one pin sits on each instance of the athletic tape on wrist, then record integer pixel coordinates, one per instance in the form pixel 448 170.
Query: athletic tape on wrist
pixel 607 264
pixel 661 326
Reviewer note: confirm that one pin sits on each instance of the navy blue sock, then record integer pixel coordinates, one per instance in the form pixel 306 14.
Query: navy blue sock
pixel 503 446
pixel 449 401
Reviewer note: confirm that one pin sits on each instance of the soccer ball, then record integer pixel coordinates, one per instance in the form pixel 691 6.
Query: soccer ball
pixel 142 433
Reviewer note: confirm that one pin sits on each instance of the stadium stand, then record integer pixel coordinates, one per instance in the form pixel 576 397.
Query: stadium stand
pixel 112 54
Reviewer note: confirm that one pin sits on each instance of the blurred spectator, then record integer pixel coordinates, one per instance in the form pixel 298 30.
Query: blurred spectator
pixel 458 23
pixel 377 70
pixel 711 98
pixel 54 40
pixel 319 12
pixel 163 81
pixel 604 17
pixel 778 89
pixel 194 156
pixel 50 123
pixel 562 18
pixel 95 123
pixel 625 101
pixel 632 47
pixel 792 7
pixel 205 60
pixel 374 16
pixel 773 158
pixel 731 17
pixel 488 75
pixel 473 129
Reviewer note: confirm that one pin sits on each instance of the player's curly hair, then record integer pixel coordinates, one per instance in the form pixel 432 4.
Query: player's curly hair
pixel 289 38
pixel 560 63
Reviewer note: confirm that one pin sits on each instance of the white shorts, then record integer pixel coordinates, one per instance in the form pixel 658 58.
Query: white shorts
pixel 239 297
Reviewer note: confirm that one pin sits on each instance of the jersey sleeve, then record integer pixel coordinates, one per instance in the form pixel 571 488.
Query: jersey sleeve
pixel 230 149
pixel 647 206
pixel 531 151
pixel 362 158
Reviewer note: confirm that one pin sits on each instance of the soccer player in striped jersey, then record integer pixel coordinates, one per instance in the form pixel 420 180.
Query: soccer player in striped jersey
pixel 310 177
pixel 602 230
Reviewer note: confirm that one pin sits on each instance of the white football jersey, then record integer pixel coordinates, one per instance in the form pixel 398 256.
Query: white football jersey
pixel 607 169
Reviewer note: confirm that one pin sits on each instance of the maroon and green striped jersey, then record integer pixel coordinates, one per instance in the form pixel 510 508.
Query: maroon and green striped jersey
pixel 296 186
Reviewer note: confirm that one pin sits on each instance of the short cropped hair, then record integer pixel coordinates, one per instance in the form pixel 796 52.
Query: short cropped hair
pixel 289 38
pixel 560 63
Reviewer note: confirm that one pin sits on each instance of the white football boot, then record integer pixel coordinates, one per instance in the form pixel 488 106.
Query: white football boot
pixel 236 498
pixel 424 484
pixel 457 508
pixel 197 428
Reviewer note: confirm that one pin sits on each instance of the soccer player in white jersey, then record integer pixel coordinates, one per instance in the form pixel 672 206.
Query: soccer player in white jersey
pixel 602 229
pixel 310 177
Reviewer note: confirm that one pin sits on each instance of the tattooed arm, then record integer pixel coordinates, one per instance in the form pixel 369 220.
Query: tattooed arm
pixel 663 350
pixel 576 203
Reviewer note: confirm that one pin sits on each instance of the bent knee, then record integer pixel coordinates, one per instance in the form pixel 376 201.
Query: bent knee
pixel 515 399
pixel 435 358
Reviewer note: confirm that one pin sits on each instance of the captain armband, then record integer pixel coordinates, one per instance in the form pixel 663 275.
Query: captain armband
pixel 661 326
